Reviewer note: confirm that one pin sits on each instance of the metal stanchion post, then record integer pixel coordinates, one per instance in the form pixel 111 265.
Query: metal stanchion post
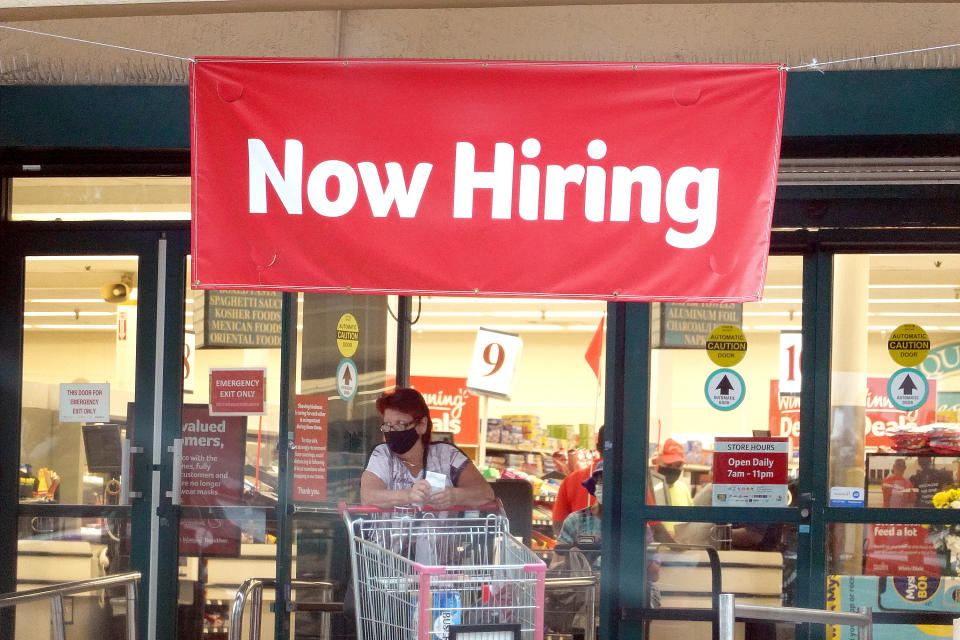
pixel 727 613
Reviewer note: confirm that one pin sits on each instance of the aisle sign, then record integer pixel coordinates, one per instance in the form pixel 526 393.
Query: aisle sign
pixel 628 191
pixel 790 345
pixel 310 455
pixel 84 402
pixel 908 345
pixel 726 345
pixel 725 389
pixel 494 363
pixel 750 472
pixel 211 476
pixel 238 392
pixel 908 389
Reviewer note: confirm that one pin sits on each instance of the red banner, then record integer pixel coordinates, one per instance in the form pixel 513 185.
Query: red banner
pixel 600 180
pixel 880 413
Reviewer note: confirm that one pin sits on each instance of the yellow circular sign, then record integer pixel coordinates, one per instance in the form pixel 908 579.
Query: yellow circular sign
pixel 908 345
pixel 348 335
pixel 726 345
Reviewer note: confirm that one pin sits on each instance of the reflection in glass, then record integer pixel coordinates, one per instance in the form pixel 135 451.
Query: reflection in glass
pixel 52 550
pixel 757 561
pixel 690 397
pixel 80 320
pixel 902 567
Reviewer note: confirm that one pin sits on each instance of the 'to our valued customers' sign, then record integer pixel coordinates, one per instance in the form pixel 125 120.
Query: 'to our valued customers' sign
pixel 656 184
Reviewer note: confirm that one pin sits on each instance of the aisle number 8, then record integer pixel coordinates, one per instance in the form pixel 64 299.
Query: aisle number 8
pixel 495 361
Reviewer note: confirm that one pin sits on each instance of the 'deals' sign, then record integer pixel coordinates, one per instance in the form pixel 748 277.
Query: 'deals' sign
pixel 237 319
pixel 602 180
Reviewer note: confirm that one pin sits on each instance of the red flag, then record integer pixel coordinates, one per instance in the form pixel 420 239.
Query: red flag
pixel 593 350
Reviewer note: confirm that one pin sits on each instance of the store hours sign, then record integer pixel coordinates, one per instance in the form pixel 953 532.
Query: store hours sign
pixel 750 472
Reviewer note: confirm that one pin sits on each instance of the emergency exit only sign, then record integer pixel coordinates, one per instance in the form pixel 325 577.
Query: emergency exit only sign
pixel 238 392
pixel 750 472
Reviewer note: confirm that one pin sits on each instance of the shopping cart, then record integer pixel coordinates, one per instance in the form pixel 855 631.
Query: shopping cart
pixel 427 575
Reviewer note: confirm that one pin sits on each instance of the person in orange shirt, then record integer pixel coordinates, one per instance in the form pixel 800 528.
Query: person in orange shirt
pixel 572 496
pixel 897 490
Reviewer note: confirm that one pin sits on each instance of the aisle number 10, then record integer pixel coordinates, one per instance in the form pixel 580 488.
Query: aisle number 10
pixel 790 343
pixel 494 363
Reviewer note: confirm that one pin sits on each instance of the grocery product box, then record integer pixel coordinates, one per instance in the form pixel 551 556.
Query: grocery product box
pixel 893 593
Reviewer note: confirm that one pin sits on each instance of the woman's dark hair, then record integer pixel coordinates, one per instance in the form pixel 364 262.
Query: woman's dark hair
pixel 410 402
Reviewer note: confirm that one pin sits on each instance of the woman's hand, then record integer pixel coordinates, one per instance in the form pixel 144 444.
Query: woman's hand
pixel 449 497
pixel 419 493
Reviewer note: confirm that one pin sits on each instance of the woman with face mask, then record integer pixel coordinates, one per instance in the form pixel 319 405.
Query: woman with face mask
pixel 410 469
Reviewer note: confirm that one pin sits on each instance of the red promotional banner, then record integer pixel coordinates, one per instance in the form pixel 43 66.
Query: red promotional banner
pixel 880 413
pixel 595 180
pixel 211 476
pixel 900 550
pixel 310 454
pixel 453 409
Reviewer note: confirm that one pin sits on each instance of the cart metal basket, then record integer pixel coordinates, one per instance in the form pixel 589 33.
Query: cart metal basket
pixel 418 575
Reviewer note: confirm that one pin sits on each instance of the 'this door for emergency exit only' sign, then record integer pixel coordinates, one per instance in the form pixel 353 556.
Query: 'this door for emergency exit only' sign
pixel 750 472
pixel 84 402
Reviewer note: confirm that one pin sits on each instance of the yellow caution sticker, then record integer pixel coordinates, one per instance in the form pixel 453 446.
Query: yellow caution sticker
pixel 348 335
pixel 726 345
pixel 908 345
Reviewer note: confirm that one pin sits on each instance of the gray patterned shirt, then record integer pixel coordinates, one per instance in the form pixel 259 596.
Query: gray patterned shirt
pixel 442 458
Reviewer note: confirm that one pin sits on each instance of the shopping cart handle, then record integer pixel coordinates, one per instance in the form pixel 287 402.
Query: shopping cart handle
pixel 494 506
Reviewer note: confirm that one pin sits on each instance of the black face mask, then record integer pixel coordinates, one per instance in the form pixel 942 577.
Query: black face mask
pixel 402 441
pixel 671 475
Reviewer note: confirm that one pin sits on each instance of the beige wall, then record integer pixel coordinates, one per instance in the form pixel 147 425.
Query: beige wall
pixel 792 33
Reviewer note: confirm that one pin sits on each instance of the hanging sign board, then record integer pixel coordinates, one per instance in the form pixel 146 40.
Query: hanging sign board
pixel 750 472
pixel 84 402
pixel 494 363
pixel 613 181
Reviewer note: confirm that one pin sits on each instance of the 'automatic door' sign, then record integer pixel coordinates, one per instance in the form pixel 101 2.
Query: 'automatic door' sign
pixel 597 180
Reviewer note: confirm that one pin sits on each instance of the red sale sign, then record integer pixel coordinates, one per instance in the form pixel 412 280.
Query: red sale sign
pixel 879 416
pixel 614 181
pixel 452 408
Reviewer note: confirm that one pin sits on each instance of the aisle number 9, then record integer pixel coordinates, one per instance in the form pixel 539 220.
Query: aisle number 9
pixel 494 355
pixel 494 363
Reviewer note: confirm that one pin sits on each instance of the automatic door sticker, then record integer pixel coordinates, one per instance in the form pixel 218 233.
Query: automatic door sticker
pixel 726 345
pixel 907 389
pixel 348 335
pixel 347 379
pixel 725 389
pixel 908 345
